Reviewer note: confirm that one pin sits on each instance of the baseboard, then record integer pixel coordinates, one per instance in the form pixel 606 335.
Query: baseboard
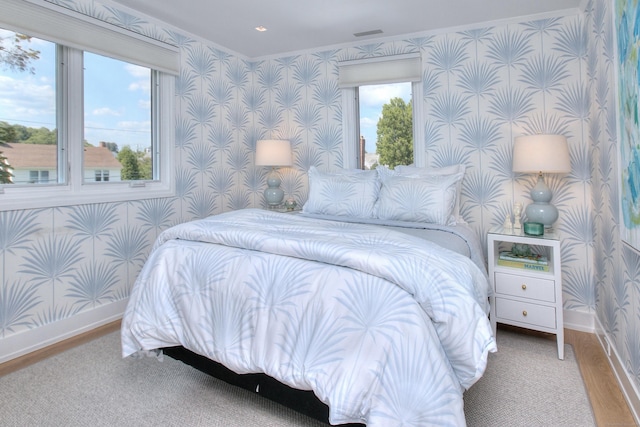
pixel 582 321
pixel 629 390
pixel 26 342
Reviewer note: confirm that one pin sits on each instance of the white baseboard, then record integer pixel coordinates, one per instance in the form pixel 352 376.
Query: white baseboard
pixel 582 321
pixel 629 390
pixel 34 339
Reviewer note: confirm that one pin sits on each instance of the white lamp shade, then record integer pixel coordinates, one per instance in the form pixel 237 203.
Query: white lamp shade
pixel 273 152
pixel 541 153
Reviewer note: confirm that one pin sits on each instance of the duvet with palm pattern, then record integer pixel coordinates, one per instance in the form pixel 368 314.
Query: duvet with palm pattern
pixel 385 328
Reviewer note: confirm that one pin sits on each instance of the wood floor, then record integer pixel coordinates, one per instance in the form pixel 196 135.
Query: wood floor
pixel 609 406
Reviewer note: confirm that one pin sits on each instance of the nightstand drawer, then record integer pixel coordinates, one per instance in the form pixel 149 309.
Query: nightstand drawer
pixel 525 287
pixel 523 312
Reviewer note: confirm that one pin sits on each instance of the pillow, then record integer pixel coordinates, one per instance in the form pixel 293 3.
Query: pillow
pixel 430 199
pixel 350 193
pixel 401 170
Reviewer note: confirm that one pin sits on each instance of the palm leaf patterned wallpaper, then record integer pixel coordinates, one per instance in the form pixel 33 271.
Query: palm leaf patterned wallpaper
pixel 482 87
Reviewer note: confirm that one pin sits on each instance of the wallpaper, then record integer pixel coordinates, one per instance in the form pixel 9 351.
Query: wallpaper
pixel 482 87
pixel 617 268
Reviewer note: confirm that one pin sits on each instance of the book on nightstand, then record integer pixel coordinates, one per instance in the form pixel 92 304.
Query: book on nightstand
pixel 533 262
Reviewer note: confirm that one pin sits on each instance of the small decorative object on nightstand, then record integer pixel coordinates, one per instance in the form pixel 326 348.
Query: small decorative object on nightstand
pixel 508 225
pixel 527 286
pixel 290 204
pixel 533 228
pixel 517 215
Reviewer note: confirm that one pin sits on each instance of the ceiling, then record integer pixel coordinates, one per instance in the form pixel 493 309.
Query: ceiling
pixel 297 25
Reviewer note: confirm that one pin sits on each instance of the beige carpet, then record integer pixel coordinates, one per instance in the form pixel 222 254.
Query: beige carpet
pixel 525 385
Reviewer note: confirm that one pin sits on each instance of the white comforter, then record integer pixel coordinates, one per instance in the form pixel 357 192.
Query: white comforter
pixel 385 328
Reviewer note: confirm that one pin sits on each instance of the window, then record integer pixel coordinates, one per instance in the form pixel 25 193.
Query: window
pixel 101 176
pixel 89 118
pixel 117 111
pixel 394 128
pixel 38 177
pixel 359 77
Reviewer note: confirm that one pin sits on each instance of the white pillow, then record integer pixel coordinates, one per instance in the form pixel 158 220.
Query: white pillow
pixel 351 193
pixel 430 199
pixel 412 171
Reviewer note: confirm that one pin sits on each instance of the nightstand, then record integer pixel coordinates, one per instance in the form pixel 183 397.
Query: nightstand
pixel 522 297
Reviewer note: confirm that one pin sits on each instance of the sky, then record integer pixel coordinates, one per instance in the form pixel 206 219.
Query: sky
pixel 117 97
pixel 372 98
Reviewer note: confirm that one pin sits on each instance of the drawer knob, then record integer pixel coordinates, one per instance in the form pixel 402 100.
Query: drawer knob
pixel 524 313
pixel 524 287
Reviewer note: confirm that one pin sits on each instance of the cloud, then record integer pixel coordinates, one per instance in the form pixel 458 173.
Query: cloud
pixel 376 95
pixel 137 71
pixel 28 98
pixel 142 78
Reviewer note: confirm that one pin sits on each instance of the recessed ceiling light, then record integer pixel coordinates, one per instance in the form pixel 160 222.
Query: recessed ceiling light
pixel 261 28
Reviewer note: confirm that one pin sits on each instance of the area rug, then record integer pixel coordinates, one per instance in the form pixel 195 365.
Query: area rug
pixel 91 385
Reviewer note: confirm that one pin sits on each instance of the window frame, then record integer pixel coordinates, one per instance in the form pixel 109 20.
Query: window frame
pixel 71 188
pixel 379 70
pixel 351 127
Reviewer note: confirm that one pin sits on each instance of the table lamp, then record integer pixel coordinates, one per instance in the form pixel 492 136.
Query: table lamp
pixel 274 153
pixel 541 154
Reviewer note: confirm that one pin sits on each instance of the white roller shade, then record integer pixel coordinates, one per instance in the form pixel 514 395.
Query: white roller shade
pixel 382 70
pixel 63 26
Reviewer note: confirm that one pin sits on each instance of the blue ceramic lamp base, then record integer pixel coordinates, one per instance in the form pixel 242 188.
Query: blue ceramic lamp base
pixel 273 194
pixel 541 211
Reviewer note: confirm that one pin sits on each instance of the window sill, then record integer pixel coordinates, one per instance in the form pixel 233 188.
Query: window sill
pixel 54 196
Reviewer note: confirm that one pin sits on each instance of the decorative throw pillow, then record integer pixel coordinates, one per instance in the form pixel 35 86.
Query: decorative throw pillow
pixel 351 193
pixel 428 199
pixel 412 171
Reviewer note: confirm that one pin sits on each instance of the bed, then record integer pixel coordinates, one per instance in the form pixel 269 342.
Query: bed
pixel 347 319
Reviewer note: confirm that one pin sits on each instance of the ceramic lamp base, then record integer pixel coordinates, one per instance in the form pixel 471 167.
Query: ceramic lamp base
pixel 543 213
pixel 273 194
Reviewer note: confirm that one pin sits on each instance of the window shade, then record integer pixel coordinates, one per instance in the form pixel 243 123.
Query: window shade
pixel 382 70
pixel 73 29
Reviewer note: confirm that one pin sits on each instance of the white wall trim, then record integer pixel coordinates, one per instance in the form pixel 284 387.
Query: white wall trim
pixel 629 390
pixel 579 321
pixel 350 135
pixel 26 342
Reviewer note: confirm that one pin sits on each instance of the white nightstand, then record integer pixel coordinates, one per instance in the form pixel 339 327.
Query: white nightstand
pixel 527 298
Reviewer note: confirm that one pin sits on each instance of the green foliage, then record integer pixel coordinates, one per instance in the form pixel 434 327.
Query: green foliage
pixel 42 136
pixel 144 164
pixel 23 134
pixel 111 146
pixel 7 133
pixel 14 56
pixel 129 161
pixel 136 165
pixel 5 170
pixel 395 133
